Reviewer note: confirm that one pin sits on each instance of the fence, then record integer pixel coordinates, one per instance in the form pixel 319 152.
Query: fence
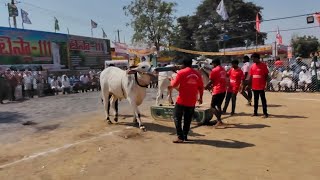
pixel 294 75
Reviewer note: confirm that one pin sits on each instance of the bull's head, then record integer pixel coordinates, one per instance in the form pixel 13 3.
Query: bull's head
pixel 141 68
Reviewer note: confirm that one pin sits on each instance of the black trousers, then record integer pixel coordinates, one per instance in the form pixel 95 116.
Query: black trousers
pixel 116 105
pixel 246 91
pixel 262 95
pixel 216 103
pixel 187 113
pixel 233 97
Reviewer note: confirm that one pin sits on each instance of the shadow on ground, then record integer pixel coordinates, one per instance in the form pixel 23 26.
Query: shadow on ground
pixel 247 126
pixel 233 144
pixel 11 117
pixel 153 127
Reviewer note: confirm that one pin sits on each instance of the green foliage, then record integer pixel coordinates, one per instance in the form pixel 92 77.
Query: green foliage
pixel 305 45
pixel 204 30
pixel 152 20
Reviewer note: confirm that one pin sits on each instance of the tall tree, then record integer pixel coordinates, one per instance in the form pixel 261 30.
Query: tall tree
pixel 305 45
pixel 152 20
pixel 209 28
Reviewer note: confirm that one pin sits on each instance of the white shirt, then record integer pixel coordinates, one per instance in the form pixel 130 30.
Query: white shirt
pixel 287 74
pixel 246 68
pixel 54 83
pixel 65 83
pixel 303 76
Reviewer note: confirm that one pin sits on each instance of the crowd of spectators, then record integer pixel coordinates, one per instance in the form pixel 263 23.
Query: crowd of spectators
pixel 20 85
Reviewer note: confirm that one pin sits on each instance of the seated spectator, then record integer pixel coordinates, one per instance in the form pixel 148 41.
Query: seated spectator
pixel 287 81
pixel 304 78
pixel 276 77
pixel 279 64
pixel 55 85
pixel 65 84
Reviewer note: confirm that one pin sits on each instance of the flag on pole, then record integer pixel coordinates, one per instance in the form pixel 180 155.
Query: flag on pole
pixel 56 24
pixel 279 37
pixel 222 11
pixel 94 24
pixel 25 18
pixel 258 22
pixel 104 35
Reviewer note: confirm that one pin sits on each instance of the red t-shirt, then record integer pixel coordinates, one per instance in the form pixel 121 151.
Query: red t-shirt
pixel 236 76
pixel 259 73
pixel 190 84
pixel 218 75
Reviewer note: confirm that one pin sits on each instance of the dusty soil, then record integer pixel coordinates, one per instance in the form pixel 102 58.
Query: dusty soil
pixel 70 140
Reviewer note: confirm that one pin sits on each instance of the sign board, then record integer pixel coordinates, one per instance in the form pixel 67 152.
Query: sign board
pixel 25 47
pixel 86 52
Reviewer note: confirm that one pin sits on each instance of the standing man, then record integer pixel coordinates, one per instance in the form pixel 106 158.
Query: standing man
pixel 236 76
pixel 218 82
pixel 258 76
pixel 246 89
pixel 189 83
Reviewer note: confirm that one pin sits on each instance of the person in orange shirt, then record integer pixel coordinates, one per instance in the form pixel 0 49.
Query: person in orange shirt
pixel 258 76
pixel 219 86
pixel 189 84
pixel 236 77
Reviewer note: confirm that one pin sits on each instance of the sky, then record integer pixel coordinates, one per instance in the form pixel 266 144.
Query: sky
pixel 75 15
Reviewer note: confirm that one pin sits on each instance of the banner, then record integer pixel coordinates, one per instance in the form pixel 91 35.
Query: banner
pixel 232 53
pixel 86 52
pixel 19 46
pixel 142 52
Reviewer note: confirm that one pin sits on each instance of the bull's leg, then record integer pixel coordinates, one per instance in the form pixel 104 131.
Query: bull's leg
pixel 114 103
pixel 105 99
pixel 160 92
pixel 170 100
pixel 136 113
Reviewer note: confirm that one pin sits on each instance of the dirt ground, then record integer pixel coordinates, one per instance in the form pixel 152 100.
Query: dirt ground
pixel 80 145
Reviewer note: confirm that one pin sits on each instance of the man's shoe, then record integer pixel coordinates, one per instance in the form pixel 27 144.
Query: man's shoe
pixel 266 116
pixel 255 114
pixel 177 141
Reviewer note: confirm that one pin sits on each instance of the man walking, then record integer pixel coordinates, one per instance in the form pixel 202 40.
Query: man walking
pixel 218 82
pixel 246 89
pixel 236 76
pixel 189 83
pixel 258 76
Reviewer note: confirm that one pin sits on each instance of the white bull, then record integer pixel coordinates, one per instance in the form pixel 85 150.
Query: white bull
pixel 130 85
pixel 164 80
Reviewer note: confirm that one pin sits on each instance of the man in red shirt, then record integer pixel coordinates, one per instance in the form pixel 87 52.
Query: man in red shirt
pixel 258 76
pixel 218 83
pixel 189 84
pixel 236 77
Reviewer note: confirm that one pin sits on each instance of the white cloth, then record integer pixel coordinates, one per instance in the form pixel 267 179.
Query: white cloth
pixel 245 68
pixel 304 78
pixel 27 81
pixel 65 83
pixel 287 79
pixel 54 84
